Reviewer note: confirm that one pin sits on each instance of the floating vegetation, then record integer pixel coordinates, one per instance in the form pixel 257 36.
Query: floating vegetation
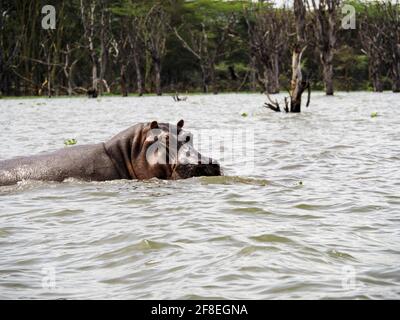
pixel 374 114
pixel 70 142
pixel 244 114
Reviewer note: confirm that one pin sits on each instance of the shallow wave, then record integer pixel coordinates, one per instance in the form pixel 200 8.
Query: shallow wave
pixel 315 216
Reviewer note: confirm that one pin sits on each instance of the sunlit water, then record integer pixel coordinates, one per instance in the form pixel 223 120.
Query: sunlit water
pixel 317 216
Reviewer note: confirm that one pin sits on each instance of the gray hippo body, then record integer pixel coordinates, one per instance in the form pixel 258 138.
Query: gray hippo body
pixel 126 156
pixel 90 163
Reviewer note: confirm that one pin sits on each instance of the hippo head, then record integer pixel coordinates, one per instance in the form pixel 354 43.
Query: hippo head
pixel 171 150
pixel 159 150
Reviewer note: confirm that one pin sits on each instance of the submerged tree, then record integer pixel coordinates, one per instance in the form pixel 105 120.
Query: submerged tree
pixel 95 21
pixel 298 83
pixel 372 36
pixel 325 27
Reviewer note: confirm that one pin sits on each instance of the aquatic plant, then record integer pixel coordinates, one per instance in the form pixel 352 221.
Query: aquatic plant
pixel 70 142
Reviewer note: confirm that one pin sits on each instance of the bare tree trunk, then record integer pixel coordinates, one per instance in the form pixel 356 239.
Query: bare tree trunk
pixel 273 75
pixel 377 84
pixel 139 76
pixel 94 75
pixel 157 71
pixel 48 76
pixel 69 70
pixel 325 28
pixel 124 90
pixel 154 35
pixel 372 36
pixel 69 80
pixel 298 85
pixel 88 21
pixel 253 74
pixel 266 75
pixel 103 57
pixel 327 66
pixel 375 77
pixel 396 77
pixel 213 82
pixel 204 77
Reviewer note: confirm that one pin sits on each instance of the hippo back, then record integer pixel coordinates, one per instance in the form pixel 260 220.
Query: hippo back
pixel 89 162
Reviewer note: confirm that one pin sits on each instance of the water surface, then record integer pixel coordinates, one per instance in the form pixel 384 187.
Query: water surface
pixel 317 216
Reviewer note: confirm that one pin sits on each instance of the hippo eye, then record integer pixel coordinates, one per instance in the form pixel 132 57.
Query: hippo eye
pixel 187 138
pixel 155 138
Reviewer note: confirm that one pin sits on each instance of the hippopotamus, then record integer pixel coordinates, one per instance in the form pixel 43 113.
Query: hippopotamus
pixel 144 151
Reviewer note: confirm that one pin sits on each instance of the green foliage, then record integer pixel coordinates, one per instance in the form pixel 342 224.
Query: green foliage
pixel 25 47
pixel 70 142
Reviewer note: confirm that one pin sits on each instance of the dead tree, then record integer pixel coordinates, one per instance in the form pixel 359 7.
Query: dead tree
pixel 128 47
pixel 154 31
pixel 177 98
pixel 122 52
pixel 92 93
pixel 105 47
pixel 298 83
pixel 95 20
pixel 69 67
pixel 372 36
pixel 267 29
pixel 88 21
pixel 10 46
pixel 207 50
pixel 324 15
pixel 391 33
pixel 136 46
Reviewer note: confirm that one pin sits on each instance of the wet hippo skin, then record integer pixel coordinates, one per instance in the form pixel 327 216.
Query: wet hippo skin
pixel 144 151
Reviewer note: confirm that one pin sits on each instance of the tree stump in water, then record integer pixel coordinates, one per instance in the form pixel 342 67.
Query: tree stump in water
pixel 298 84
pixel 92 93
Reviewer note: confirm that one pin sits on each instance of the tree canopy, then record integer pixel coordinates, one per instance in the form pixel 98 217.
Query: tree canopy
pixel 152 46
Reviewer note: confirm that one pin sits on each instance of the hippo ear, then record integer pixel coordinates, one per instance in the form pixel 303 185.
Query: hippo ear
pixel 154 125
pixel 180 124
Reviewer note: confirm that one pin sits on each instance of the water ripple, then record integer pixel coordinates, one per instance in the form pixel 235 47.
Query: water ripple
pixel 319 208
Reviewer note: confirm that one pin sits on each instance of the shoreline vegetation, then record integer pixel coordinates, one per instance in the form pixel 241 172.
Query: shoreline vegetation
pixel 171 95
pixel 144 47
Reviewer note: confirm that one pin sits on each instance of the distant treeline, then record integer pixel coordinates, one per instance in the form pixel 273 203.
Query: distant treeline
pixel 147 46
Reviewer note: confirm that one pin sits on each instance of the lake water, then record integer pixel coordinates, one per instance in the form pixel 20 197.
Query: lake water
pixel 313 213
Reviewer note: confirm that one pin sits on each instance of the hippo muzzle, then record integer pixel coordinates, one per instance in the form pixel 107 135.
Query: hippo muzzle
pixel 192 164
pixel 200 170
